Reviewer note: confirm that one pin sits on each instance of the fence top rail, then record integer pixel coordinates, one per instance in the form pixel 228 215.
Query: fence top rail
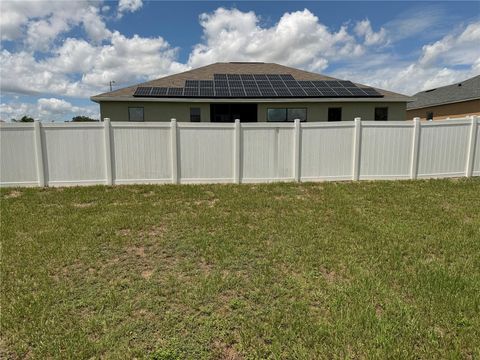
pixel 267 125
pixel 326 124
pixel 449 122
pixel 13 125
pixel 389 123
pixel 97 125
pixel 194 125
pixel 153 124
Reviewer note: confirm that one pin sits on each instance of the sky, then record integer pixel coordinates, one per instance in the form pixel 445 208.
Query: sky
pixel 55 55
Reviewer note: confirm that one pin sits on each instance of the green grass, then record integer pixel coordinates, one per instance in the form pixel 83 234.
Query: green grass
pixel 327 270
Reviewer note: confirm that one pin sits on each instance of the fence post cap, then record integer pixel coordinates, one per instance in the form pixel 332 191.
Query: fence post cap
pixel 106 119
pixel 237 121
pixel 357 119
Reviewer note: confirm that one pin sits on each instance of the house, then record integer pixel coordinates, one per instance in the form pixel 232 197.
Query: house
pixel 457 100
pixel 251 92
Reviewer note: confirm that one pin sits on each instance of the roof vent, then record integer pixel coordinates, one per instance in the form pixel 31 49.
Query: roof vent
pixel 430 90
pixel 460 84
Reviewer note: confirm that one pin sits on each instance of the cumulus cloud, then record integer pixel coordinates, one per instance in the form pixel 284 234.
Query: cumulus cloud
pixel 128 6
pixel 434 67
pixel 46 109
pixel 39 23
pixel 298 39
pixel 364 29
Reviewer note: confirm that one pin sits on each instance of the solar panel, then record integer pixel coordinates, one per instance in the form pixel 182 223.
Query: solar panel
pixel 327 92
pixel 191 92
pixel 312 92
pixel 142 91
pixel 207 92
pixel 246 77
pixel 159 91
pixel 252 92
pixel 346 83
pixel 306 84
pixel 222 92
pixel 237 92
pixel 267 92
pixel 342 92
pixel 260 77
pixel 259 85
pixel 286 77
pixel 297 91
pixel 356 91
pixel 233 77
pixel 206 83
pixel 175 91
pixel 283 92
pixel 235 83
pixel 191 83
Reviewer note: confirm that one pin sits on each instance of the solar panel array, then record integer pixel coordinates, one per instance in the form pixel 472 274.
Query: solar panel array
pixel 259 86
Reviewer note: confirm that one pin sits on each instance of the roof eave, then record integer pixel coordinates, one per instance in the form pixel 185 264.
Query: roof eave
pixel 443 103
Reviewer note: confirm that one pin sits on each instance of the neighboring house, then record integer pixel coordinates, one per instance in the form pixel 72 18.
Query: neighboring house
pixel 457 100
pixel 250 91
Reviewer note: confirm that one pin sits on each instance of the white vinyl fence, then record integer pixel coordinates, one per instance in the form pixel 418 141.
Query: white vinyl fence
pixel 126 153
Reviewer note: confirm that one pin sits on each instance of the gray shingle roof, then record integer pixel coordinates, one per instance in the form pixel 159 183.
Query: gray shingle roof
pixel 465 90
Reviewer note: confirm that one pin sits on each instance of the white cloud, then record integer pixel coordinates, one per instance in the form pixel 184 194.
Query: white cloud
pixel 39 23
pixel 298 39
pixel 364 29
pixel 128 6
pixel 46 109
pixel 455 49
pixel 81 69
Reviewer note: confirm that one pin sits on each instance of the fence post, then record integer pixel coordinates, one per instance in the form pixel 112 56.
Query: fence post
pixel 237 152
pixel 108 151
pixel 415 146
pixel 471 146
pixel 173 126
pixel 39 154
pixel 296 149
pixel 357 147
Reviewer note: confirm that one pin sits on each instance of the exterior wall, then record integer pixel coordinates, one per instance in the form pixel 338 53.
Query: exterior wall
pixel 455 110
pixel 319 111
pixel 156 111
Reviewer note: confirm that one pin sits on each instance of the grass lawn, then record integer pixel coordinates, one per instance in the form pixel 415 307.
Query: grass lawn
pixel 326 270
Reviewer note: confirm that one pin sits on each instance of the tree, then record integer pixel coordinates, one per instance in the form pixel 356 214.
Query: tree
pixel 25 118
pixel 81 118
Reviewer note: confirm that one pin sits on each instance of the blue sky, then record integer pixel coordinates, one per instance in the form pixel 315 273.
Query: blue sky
pixel 55 56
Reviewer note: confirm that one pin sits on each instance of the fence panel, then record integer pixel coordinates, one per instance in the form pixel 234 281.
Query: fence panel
pixel 17 155
pixel 74 154
pixel 443 148
pixel 386 150
pixel 326 151
pixel 267 152
pixel 476 162
pixel 123 153
pixel 205 152
pixel 141 153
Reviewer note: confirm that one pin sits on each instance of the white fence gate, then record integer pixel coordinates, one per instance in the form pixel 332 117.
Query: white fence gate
pixel 126 153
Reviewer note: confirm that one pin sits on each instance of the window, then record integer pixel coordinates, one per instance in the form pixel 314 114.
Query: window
pixel 334 114
pixel 276 114
pixel 429 115
pixel 135 114
pixel 195 115
pixel 282 114
pixel 293 114
pixel 381 113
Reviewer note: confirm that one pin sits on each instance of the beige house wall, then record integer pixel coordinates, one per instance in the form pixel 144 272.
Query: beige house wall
pixel 164 111
pixel 454 110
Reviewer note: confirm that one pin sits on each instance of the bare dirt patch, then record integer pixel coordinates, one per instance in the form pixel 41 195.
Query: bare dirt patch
pixel 13 194
pixel 146 274
pixel 226 351
pixel 84 205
